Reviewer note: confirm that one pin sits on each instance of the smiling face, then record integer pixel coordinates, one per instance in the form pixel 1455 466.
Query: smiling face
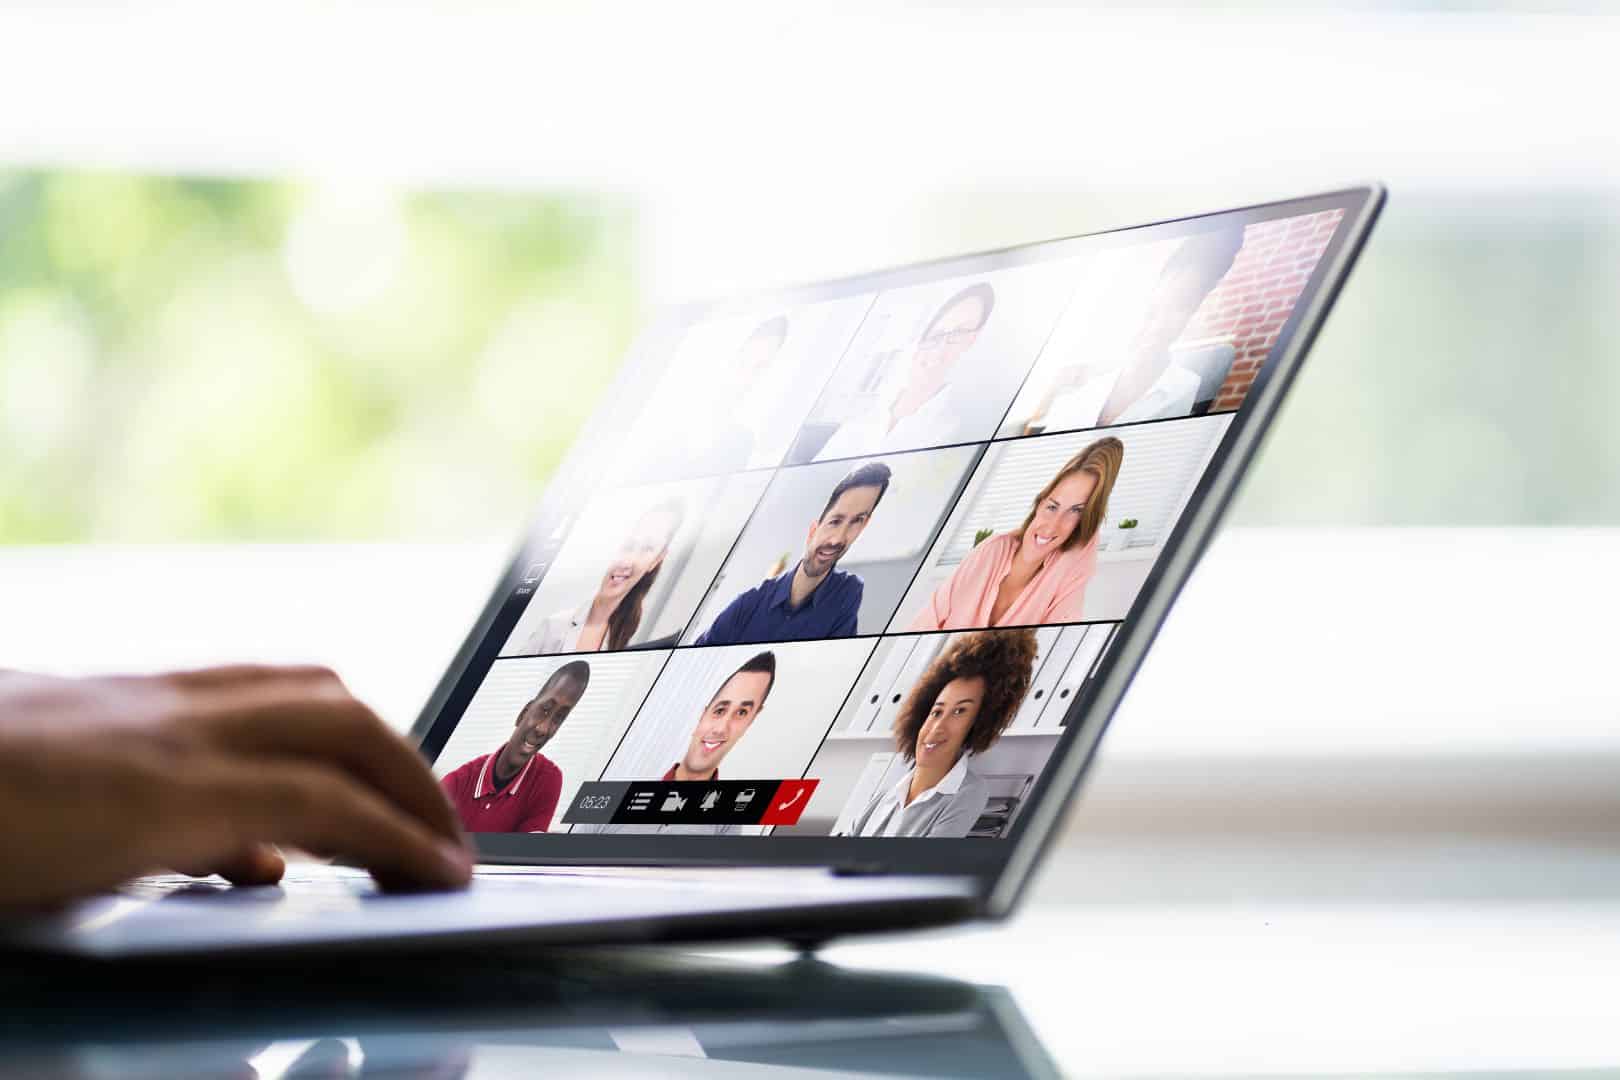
pixel 944 342
pixel 1058 515
pixel 754 359
pixel 641 553
pixel 940 739
pixel 832 534
pixel 539 721
pixel 725 721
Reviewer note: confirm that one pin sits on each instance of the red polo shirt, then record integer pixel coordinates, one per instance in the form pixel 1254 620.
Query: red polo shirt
pixel 525 804
pixel 671 774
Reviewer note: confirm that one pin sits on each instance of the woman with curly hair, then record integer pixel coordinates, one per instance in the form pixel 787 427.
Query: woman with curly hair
pixel 1038 573
pixel 955 712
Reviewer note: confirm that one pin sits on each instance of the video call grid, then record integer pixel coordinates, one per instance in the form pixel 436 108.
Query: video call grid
pixel 691 625
pixel 998 435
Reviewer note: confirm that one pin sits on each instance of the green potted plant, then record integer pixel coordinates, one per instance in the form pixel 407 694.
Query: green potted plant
pixel 1122 533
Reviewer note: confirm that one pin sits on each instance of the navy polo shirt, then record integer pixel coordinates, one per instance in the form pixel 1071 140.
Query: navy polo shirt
pixel 763 613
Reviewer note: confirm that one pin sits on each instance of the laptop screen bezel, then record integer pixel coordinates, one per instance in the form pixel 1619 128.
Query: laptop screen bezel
pixel 1002 865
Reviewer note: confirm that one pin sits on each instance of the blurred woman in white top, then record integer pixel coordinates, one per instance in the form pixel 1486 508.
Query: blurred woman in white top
pixel 922 410
pixel 610 618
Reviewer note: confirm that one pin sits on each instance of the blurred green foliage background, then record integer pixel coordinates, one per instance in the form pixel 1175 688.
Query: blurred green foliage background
pixel 199 360
pixel 221 359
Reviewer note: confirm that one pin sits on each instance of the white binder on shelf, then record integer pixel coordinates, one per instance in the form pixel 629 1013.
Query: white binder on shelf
pixel 894 692
pixel 1056 646
pixel 1089 642
pixel 885 666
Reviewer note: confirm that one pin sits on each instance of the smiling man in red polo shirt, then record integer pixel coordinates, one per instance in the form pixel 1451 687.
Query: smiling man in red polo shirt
pixel 515 789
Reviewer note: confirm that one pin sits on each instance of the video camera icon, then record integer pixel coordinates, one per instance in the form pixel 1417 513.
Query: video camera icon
pixel 673 803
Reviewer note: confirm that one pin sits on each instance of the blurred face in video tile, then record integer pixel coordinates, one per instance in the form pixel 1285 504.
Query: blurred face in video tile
pixel 641 553
pixel 951 334
pixel 754 360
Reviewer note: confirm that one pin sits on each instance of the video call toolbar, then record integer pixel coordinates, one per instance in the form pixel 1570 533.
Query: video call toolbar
pixel 709 802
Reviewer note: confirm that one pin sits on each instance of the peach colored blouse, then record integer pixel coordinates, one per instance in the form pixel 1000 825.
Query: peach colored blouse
pixel 1055 594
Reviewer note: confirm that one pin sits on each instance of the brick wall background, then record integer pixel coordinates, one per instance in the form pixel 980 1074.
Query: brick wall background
pixel 1258 294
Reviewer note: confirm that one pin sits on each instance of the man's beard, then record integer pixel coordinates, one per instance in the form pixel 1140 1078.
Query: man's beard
pixel 804 564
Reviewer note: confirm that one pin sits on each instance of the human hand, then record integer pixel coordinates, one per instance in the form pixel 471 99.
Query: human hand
pixel 105 779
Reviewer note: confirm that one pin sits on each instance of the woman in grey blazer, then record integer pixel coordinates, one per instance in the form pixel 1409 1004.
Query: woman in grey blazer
pixel 956 711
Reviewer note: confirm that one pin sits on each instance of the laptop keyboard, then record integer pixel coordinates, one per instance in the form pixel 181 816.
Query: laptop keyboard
pixel 311 881
pixel 317 880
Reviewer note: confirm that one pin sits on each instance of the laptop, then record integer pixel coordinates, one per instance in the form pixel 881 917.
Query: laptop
pixel 818 625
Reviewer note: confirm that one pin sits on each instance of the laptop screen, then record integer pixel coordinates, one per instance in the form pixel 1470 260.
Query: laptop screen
pixel 841 562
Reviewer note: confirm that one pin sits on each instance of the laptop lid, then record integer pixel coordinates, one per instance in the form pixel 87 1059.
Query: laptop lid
pixel 855 573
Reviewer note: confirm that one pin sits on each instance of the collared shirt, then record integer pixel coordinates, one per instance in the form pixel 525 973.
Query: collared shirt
pixel 765 612
pixel 525 804
pixel 1057 592
pixel 710 778
pixel 936 422
pixel 557 632
pixel 949 808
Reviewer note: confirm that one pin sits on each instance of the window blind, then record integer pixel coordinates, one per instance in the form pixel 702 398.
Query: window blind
pixel 1162 464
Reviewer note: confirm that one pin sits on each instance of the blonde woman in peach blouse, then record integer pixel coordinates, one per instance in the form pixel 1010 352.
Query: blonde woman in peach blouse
pixel 1037 574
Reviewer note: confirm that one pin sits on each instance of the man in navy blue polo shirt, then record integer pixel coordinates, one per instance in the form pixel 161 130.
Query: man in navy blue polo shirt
pixel 815 599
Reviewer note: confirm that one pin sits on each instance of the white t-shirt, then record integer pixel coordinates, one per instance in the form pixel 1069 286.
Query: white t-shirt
pixel 1172 394
pixel 936 423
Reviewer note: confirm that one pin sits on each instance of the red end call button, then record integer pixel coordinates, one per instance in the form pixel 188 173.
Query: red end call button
pixel 791 797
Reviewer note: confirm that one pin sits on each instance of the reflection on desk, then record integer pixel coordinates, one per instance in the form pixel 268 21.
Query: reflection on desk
pixel 623 1013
